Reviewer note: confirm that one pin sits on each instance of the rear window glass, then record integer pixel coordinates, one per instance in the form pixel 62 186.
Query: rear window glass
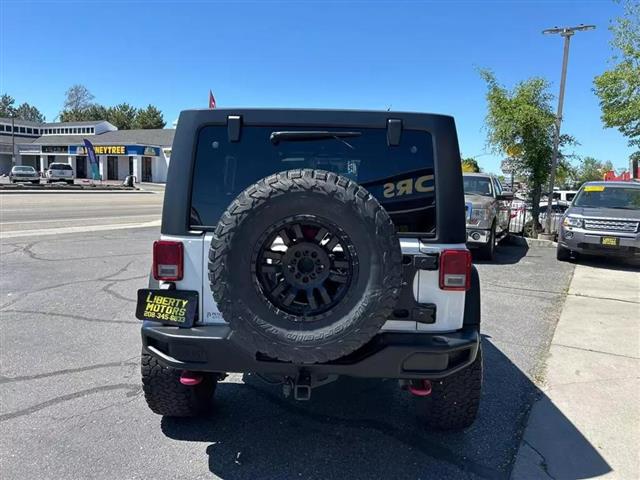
pixel 400 177
pixel 23 169
pixel 60 166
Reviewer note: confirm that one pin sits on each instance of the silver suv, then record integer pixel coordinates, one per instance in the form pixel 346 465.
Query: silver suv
pixel 488 210
pixel 602 220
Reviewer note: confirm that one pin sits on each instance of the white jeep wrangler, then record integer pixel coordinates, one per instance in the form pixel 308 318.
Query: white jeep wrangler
pixel 302 245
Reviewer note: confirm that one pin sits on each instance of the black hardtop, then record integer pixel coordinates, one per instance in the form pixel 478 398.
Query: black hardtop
pixel 448 175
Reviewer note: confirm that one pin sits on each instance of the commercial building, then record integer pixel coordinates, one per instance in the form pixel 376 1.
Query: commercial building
pixel 144 154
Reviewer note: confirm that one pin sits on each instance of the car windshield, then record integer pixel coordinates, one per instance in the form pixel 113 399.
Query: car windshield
pixel 59 166
pixel 602 196
pixel 24 169
pixel 477 186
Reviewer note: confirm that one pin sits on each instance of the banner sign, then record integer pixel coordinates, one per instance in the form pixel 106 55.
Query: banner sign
pixel 93 160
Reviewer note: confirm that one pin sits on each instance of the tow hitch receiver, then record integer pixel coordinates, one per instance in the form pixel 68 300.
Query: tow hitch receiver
pixel 302 387
pixel 303 383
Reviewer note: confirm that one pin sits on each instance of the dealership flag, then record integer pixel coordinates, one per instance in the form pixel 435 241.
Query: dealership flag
pixel 212 100
pixel 93 160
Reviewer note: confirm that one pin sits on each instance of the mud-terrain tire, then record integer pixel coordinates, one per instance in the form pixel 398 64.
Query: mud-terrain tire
pixel 454 400
pixel 366 247
pixel 165 395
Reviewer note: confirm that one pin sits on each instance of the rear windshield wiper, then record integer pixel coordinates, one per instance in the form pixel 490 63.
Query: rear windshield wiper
pixel 305 136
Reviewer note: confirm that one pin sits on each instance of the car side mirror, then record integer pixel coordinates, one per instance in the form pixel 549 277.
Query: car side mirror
pixel 508 196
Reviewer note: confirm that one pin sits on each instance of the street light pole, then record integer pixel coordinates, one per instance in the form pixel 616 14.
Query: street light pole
pixel 567 33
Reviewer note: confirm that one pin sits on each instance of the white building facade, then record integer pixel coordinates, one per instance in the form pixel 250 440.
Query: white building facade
pixel 145 154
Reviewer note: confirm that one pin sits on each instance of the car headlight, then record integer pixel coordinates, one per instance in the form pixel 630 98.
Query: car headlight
pixel 570 221
pixel 478 215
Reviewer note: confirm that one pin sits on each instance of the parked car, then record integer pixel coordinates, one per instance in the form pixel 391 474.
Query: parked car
pixel 487 212
pixel 561 197
pixel 602 220
pixel 301 245
pixel 522 220
pixel 24 173
pixel 60 172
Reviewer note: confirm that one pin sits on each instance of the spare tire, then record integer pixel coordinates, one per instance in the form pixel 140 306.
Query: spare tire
pixel 305 266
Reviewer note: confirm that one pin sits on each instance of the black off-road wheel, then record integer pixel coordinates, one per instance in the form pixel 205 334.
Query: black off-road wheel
pixel 455 400
pixel 305 266
pixel 165 395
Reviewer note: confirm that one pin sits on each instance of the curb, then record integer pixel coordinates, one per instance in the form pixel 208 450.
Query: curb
pixel 530 242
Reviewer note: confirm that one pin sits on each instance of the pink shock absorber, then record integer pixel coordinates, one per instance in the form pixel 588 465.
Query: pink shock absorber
pixel 190 379
pixel 423 390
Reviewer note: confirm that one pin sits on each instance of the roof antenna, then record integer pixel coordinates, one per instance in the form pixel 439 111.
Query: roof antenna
pixel 389 107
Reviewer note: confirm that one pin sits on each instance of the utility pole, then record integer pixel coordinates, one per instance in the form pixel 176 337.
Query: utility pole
pixel 567 33
pixel 13 141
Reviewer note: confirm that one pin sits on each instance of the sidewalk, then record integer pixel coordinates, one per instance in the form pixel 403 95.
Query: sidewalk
pixel 587 423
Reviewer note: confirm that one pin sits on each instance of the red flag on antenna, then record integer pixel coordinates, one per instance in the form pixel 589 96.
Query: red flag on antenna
pixel 212 100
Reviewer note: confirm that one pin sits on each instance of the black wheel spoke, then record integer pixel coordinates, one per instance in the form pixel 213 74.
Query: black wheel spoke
pixel 285 238
pixel 279 288
pixel 341 264
pixel 297 231
pixel 311 300
pixel 324 295
pixel 273 255
pixel 321 234
pixel 338 278
pixel 271 268
pixel 331 244
pixel 289 297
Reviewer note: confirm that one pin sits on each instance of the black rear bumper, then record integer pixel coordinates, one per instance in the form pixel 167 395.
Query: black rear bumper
pixel 388 355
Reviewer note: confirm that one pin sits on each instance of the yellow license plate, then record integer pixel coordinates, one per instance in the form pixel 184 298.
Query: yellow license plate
pixel 609 241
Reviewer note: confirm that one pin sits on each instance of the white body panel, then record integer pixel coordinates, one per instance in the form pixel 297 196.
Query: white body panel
pixel 449 304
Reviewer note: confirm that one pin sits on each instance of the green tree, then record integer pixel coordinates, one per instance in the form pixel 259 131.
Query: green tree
pixel 591 169
pixel 122 116
pixel 6 106
pixel 29 112
pixel 149 117
pixel 93 112
pixel 523 117
pixel 470 165
pixel 619 87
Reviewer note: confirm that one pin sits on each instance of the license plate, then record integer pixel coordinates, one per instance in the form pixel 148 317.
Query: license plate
pixel 172 307
pixel 610 241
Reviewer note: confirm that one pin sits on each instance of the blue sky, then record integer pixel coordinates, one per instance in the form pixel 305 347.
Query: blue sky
pixel 410 55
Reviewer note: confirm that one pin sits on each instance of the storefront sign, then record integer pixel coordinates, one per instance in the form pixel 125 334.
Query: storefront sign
pixel 110 149
pixel 118 150
pixel 55 149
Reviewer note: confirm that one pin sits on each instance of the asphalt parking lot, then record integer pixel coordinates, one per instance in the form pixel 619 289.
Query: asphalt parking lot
pixel 72 406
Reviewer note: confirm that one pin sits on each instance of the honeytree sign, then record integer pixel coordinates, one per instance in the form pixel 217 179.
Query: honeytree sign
pixel 110 149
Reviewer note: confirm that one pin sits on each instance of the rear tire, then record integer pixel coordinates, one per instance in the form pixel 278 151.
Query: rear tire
pixel 455 400
pixel 165 395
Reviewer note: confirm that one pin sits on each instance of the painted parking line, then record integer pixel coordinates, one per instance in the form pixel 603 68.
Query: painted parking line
pixel 79 229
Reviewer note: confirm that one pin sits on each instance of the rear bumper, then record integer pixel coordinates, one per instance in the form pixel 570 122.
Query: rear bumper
pixel 387 355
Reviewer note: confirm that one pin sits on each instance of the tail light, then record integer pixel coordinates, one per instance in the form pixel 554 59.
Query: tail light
pixel 455 270
pixel 167 260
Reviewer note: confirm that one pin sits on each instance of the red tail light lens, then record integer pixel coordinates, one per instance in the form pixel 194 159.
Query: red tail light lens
pixel 455 270
pixel 167 260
